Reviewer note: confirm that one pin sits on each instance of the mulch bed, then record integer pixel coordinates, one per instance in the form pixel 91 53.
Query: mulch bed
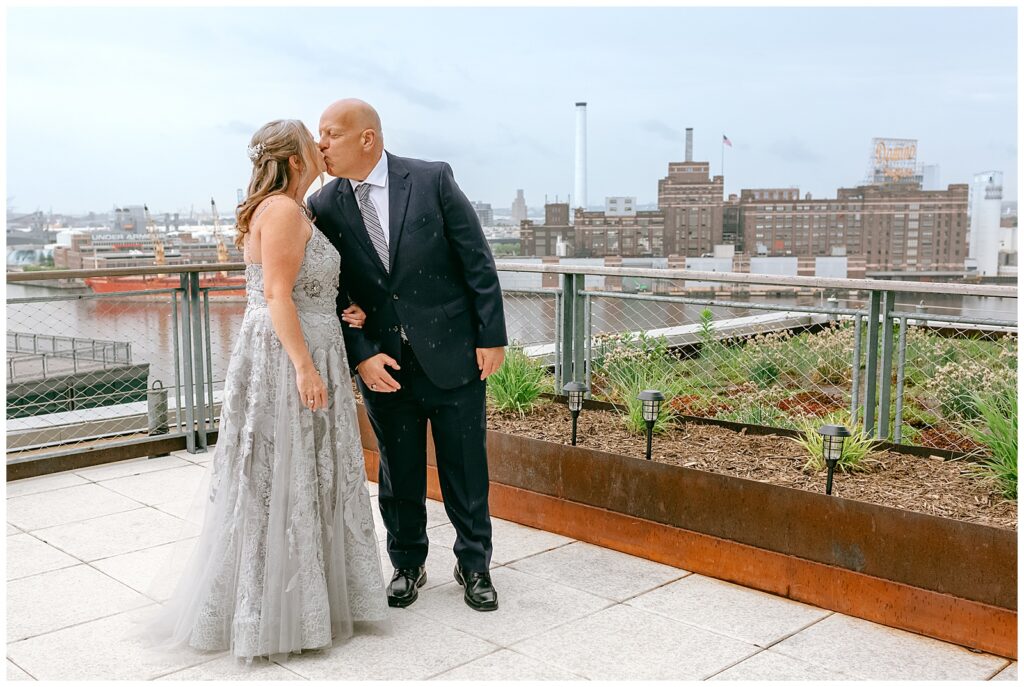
pixel 925 485
pixel 945 437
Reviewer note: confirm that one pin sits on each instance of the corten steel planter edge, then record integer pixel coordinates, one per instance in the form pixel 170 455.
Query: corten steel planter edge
pixel 941 616
pixel 932 614
pixel 966 560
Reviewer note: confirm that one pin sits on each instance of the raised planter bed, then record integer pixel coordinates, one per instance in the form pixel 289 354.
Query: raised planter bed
pixel 944 578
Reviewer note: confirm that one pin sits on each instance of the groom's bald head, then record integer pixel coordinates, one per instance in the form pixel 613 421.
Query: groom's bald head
pixel 357 113
pixel 350 138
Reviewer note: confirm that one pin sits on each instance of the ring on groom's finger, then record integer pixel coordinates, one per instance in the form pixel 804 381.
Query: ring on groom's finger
pixel 373 386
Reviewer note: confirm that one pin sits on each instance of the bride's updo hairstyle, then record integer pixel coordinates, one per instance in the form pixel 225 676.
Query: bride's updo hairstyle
pixel 269 150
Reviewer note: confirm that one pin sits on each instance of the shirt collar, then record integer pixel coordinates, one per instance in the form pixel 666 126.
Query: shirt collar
pixel 377 177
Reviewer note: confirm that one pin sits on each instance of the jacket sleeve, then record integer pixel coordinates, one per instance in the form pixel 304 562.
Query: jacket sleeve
pixel 466 237
pixel 358 345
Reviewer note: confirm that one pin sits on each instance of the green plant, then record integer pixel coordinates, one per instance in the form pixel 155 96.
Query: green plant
pixel 707 327
pixel 718 367
pixel 997 432
pixel 758 414
pixel 633 362
pixel 765 355
pixel 856 448
pixel 909 434
pixel 765 372
pixel 916 416
pixel 754 405
pixel 517 384
pixel 830 353
pixel 956 385
pixel 633 418
pixel 715 358
pixel 628 364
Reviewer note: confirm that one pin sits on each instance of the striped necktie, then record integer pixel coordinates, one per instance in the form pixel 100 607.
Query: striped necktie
pixel 372 223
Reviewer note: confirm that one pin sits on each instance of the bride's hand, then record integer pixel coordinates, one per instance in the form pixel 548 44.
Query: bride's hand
pixel 312 390
pixel 354 315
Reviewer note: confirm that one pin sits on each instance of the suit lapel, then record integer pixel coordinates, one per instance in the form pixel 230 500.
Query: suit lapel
pixel 399 188
pixel 354 221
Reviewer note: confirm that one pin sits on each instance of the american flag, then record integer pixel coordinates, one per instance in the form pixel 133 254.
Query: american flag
pixel 726 141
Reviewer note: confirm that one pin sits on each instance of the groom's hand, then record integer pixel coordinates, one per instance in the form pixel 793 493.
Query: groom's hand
pixel 489 360
pixel 373 374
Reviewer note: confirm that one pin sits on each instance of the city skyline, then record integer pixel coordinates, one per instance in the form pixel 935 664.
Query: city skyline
pixel 800 92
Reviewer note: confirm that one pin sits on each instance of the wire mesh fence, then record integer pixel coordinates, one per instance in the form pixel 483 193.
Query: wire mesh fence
pixel 772 362
pixel 927 375
pixel 83 365
pixel 949 371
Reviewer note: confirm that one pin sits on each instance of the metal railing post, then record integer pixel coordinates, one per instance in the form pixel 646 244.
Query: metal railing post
pixel 855 365
pixel 198 365
pixel 885 377
pixel 578 328
pixel 557 352
pixel 186 357
pixel 588 329
pixel 207 336
pixel 901 368
pixel 871 371
pixel 175 323
pixel 568 330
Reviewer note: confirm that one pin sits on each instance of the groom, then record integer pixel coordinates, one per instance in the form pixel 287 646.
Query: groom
pixel 413 255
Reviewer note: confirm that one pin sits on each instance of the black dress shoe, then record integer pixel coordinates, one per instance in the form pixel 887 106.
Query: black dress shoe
pixel 404 584
pixel 480 594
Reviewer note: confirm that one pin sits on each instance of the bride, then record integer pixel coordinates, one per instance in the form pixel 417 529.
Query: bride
pixel 287 558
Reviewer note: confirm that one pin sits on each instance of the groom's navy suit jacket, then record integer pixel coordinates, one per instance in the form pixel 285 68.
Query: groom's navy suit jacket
pixel 442 288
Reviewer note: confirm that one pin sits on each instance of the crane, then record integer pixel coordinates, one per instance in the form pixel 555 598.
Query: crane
pixel 158 244
pixel 222 249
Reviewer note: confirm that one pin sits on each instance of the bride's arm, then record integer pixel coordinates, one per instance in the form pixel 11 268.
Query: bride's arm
pixel 354 315
pixel 283 236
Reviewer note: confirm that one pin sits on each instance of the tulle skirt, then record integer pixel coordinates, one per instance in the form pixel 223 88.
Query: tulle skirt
pixel 287 558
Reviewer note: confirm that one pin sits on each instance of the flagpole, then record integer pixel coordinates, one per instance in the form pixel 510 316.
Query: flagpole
pixel 723 158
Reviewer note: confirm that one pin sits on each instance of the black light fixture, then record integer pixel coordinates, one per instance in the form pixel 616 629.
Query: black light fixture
pixel 574 392
pixel 650 400
pixel 833 437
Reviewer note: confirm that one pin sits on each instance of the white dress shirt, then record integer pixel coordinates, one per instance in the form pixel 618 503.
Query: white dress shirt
pixel 378 181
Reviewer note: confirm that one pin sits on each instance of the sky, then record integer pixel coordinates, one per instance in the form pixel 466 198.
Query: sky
pixel 124 106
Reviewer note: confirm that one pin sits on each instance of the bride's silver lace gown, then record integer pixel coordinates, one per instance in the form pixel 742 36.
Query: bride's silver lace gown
pixel 287 558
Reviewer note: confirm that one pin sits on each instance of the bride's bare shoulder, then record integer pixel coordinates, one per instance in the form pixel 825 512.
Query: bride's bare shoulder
pixel 274 206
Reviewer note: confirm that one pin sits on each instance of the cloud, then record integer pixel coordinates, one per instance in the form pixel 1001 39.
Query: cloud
pixel 660 128
pixel 333 64
pixel 415 95
pixel 794 150
pixel 519 140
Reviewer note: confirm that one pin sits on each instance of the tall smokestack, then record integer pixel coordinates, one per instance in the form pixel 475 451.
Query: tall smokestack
pixel 689 144
pixel 580 190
